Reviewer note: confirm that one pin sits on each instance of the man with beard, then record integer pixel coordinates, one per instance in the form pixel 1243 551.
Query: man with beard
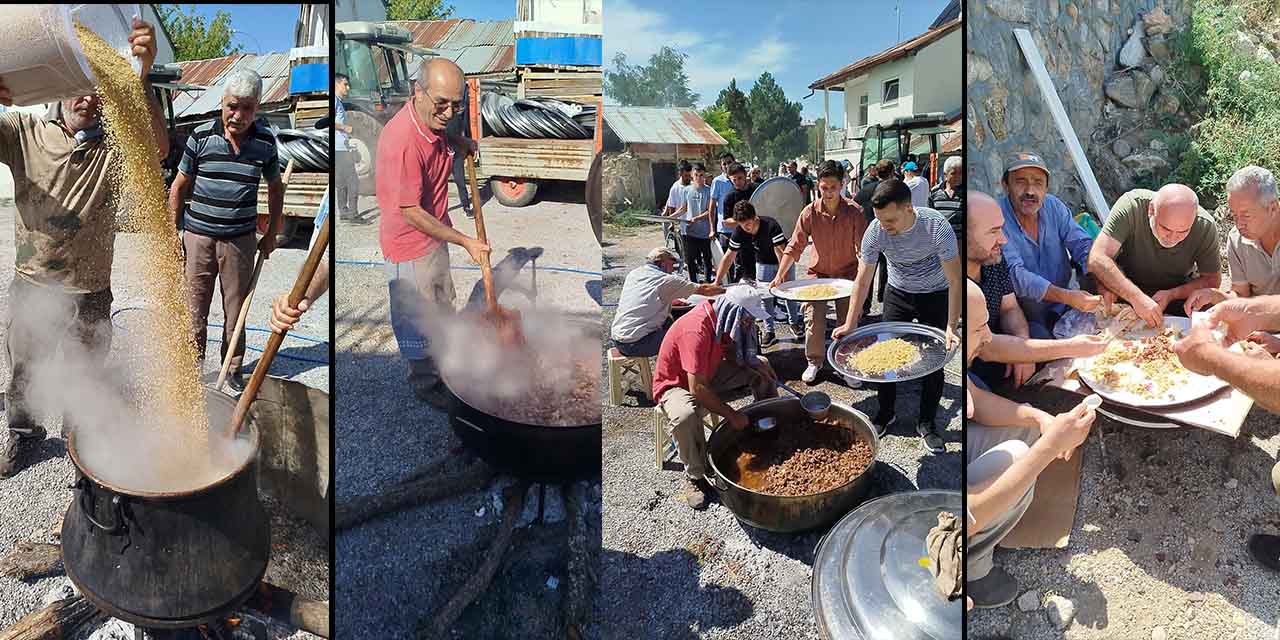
pixel 1010 353
pixel 1044 242
pixel 1150 249
pixel 1007 446
pixel 1251 245
pixel 64 234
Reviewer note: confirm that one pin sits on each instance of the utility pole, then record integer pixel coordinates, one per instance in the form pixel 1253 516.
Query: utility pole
pixel 897 10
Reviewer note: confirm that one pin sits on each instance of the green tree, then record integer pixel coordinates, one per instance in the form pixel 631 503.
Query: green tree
pixel 418 10
pixel 733 100
pixel 817 140
pixel 192 39
pixel 718 118
pixel 661 83
pixel 777 133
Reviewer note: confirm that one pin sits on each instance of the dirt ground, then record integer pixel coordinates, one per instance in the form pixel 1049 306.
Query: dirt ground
pixel 671 572
pixel 1158 547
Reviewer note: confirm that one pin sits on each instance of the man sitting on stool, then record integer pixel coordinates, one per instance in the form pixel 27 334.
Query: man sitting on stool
pixel 644 308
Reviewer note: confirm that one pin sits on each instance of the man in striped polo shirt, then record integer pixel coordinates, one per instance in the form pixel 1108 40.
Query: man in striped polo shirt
pixel 924 286
pixel 216 191
pixel 948 197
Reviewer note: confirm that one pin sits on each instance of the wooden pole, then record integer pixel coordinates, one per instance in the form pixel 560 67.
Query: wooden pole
pixel 60 619
pixel 273 343
pixel 486 269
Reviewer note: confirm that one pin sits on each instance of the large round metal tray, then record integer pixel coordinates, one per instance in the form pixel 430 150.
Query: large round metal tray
pixel 869 580
pixel 1196 388
pixel 779 198
pixel 931 341
pixel 787 290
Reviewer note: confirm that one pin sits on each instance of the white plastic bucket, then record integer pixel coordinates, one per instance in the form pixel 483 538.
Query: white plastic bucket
pixel 40 58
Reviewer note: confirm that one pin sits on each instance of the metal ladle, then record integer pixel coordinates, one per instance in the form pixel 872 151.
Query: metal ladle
pixel 815 403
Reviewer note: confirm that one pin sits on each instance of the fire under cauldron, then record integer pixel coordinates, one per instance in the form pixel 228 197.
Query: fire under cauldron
pixel 169 560
pixel 789 514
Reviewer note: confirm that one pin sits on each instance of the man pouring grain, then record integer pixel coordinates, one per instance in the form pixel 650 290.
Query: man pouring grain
pixel 216 193
pixel 414 160
pixel 64 233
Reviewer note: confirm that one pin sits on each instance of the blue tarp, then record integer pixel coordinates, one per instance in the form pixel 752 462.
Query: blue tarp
pixel 564 51
pixel 309 78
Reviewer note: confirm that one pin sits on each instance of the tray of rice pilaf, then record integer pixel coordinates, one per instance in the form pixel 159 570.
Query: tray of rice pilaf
pixel 890 352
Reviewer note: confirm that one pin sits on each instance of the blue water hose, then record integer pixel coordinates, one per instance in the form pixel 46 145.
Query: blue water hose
pixel 366 263
pixel 247 329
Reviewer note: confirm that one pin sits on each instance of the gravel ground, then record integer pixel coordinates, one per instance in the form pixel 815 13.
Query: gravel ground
pixel 1158 543
pixel 396 572
pixel 671 572
pixel 34 501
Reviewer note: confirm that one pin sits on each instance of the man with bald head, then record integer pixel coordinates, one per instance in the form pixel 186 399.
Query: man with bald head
pixel 1155 250
pixel 414 162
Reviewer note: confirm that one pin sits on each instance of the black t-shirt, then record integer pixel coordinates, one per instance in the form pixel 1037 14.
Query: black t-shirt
pixel 995 285
pixel 864 198
pixel 768 236
pixel 734 198
pixel 805 184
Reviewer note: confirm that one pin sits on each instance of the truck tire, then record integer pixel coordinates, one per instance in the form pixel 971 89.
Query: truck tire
pixel 513 192
pixel 364 142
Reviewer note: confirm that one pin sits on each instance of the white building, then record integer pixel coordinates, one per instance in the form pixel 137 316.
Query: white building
pixel 924 74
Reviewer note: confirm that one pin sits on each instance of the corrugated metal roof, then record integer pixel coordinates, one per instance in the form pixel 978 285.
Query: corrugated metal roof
pixel 888 55
pixel 478 47
pixel 657 125
pixel 273 67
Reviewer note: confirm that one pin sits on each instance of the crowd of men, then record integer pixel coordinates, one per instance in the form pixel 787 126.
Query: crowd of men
pixel 1030 262
pixel 852 227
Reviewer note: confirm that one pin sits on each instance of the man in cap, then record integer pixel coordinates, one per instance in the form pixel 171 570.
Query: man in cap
pixel 1010 353
pixel 708 351
pixel 1043 243
pixel 644 307
pixel 64 233
pixel 414 162
pixel 1007 446
pixel 918 185
pixel 1252 244
pixel 1155 250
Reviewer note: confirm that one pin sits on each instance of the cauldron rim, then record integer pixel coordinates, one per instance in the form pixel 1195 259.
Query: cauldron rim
pixel 596 426
pixel 248 428
pixel 875 452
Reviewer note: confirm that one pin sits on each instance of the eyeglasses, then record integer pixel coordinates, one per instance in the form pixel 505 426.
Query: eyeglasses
pixel 444 103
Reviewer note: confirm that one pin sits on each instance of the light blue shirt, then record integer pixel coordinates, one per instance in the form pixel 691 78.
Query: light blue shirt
pixel 721 187
pixel 1036 263
pixel 339 117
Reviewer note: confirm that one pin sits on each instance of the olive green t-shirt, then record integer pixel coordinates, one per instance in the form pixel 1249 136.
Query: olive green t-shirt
pixel 65 227
pixel 1150 266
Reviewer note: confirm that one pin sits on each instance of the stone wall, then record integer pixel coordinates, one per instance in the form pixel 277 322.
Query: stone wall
pixel 626 182
pixel 1117 90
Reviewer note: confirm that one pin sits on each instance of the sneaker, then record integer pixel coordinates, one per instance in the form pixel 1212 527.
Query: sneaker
pixel 882 423
pixel 16 453
pixel 810 373
pixel 997 589
pixel 930 437
pixel 770 339
pixel 797 329
pixel 853 383
pixel 236 382
pixel 697 493
pixel 1265 548
pixel 469 213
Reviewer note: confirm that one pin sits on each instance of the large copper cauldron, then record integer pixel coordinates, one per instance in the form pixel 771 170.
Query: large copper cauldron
pixel 169 560
pixel 789 514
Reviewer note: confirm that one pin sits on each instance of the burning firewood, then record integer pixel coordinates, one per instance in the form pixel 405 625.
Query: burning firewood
pixel 31 560
pixel 56 621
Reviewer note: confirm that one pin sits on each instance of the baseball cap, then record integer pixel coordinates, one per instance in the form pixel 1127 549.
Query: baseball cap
pixel 910 166
pixel 749 299
pixel 1023 159
pixel 661 253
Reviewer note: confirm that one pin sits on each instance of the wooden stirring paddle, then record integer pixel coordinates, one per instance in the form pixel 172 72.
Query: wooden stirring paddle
pixel 273 343
pixel 506 321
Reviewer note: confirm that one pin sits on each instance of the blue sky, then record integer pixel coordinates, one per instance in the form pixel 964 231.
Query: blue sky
pixel 261 28
pixel 796 41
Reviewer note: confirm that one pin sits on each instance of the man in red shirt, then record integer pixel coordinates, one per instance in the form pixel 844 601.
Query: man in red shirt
pixel 708 351
pixel 414 161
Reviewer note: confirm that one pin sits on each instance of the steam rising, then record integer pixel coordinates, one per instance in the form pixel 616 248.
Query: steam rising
pixel 115 440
